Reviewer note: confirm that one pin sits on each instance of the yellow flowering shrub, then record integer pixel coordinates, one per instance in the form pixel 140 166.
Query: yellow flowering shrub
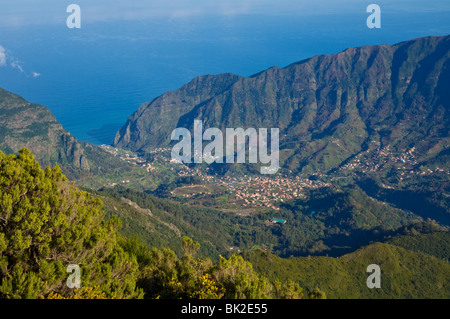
pixel 80 293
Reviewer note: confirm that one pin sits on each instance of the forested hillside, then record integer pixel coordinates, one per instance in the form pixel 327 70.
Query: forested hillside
pixel 47 224
pixel 326 222
pixel 404 273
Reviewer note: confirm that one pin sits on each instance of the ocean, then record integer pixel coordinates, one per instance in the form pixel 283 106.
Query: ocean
pixel 95 77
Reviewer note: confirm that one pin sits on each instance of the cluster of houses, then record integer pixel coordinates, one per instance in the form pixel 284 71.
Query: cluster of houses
pixel 262 191
pixel 251 191
pixel 366 162
pixel 265 191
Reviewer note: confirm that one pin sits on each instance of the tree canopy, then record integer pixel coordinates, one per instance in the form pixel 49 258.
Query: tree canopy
pixel 46 223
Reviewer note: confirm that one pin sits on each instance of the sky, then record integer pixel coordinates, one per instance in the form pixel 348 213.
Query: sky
pixel 26 14
pixel 31 12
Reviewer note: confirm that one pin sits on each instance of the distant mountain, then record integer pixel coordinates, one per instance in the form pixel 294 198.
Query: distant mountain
pixel 24 124
pixel 151 125
pixel 329 108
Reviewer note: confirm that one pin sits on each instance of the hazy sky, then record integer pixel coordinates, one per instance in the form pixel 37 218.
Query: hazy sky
pixel 28 12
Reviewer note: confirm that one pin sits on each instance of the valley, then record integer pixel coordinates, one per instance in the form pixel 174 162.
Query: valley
pixel 363 177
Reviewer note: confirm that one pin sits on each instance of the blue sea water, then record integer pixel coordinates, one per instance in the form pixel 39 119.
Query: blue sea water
pixel 93 78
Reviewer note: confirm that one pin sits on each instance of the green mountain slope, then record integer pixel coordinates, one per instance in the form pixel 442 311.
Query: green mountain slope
pixel 436 244
pixel 337 221
pixel 161 223
pixel 404 273
pixel 153 122
pixel 24 124
pixel 329 108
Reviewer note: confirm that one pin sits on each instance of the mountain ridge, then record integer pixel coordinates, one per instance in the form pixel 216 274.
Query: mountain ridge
pixel 25 124
pixel 328 107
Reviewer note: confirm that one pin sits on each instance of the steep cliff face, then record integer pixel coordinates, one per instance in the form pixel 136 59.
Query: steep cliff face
pixel 24 124
pixel 35 127
pixel 151 125
pixel 328 108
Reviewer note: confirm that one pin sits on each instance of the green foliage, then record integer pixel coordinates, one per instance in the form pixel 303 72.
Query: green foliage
pixel 426 196
pixel 45 225
pixel 80 293
pixel 164 190
pixel 343 220
pixel 166 276
pixel 160 222
pixel 289 290
pixel 404 273
pixel 239 279
pixel 316 294
pixel 334 221
pixel 436 244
